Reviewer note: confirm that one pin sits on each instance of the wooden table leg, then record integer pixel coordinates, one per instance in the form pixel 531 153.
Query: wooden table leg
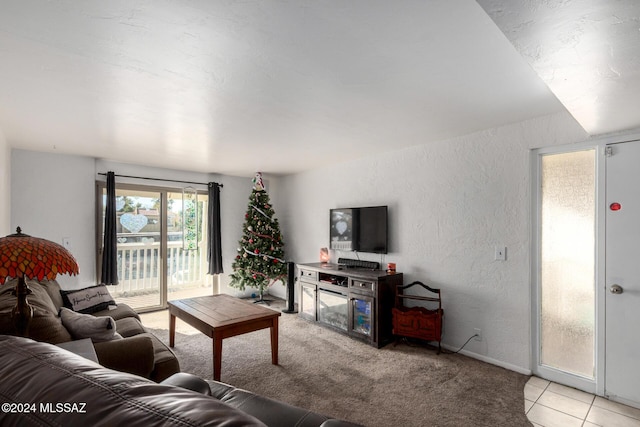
pixel 274 341
pixel 172 330
pixel 217 356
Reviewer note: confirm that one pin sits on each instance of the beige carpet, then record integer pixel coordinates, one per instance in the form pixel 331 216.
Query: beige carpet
pixel 332 374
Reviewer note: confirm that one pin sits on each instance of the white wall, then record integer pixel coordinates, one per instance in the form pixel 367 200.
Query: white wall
pixel 5 186
pixel 52 196
pixel 449 203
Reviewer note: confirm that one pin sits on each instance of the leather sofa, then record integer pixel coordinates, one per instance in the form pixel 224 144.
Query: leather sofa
pixel 139 352
pixel 44 385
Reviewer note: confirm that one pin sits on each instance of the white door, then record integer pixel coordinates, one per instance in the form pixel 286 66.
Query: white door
pixel 622 358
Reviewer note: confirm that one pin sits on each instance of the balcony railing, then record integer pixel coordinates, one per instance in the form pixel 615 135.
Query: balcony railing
pixel 140 265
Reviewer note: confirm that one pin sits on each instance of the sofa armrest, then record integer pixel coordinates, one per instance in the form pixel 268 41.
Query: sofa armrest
pixel 272 412
pixel 134 355
pixel 338 423
pixel 188 381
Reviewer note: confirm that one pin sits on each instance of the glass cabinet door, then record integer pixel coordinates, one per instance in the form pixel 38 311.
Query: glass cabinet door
pixel 308 301
pixel 333 309
pixel 361 319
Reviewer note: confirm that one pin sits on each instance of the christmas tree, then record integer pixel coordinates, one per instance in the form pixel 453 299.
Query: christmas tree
pixel 260 259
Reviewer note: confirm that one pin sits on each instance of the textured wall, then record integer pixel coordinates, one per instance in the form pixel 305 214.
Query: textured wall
pixel 53 196
pixel 5 186
pixel 449 203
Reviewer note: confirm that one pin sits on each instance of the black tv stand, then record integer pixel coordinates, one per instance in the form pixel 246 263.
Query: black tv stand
pixel 355 301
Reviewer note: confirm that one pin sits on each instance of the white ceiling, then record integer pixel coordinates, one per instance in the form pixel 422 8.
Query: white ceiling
pixel 281 86
pixel 586 51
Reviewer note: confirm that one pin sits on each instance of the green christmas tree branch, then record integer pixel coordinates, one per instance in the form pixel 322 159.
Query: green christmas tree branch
pixel 263 255
pixel 265 236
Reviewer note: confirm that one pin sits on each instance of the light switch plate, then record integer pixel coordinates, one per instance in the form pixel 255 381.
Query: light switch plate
pixel 500 253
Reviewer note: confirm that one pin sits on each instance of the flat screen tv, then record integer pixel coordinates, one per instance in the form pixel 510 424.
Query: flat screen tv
pixel 359 229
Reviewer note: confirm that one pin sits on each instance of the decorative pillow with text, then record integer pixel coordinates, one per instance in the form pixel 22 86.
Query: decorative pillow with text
pixel 88 300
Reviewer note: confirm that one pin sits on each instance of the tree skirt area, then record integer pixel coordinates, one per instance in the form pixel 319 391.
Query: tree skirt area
pixel 332 374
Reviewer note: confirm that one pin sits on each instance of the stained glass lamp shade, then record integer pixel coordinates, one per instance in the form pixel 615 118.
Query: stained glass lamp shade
pixel 26 257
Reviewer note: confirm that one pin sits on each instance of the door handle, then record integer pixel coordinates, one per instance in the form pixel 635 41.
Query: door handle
pixel 616 289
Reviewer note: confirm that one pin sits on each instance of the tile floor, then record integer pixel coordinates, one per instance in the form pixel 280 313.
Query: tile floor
pixel 549 404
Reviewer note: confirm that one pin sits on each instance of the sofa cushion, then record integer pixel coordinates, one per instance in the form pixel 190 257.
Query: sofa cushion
pixel 45 324
pixel 119 312
pixel 88 300
pixel 129 326
pixel 39 298
pixel 87 326
pixel 53 289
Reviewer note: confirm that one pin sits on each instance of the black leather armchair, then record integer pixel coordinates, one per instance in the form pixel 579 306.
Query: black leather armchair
pixel 271 412
pixel 36 373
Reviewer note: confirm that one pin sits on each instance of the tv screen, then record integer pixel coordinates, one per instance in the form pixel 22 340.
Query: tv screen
pixel 359 229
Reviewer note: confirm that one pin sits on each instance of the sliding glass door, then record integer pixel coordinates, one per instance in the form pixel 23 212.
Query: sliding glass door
pixel 161 244
pixel 187 246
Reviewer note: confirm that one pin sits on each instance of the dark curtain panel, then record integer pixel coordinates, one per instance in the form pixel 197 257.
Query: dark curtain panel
pixel 214 239
pixel 110 249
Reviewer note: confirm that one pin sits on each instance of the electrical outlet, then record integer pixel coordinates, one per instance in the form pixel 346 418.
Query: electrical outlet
pixel 478 333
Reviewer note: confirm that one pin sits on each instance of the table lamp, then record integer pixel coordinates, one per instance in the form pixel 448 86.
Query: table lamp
pixel 25 257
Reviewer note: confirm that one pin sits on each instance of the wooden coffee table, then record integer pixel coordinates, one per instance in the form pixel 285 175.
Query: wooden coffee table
pixel 223 316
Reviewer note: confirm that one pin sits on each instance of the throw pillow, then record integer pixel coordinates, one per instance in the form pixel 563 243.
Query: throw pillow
pixel 88 300
pixel 87 326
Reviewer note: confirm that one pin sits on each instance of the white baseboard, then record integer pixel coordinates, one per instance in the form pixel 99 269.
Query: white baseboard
pixel 492 361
